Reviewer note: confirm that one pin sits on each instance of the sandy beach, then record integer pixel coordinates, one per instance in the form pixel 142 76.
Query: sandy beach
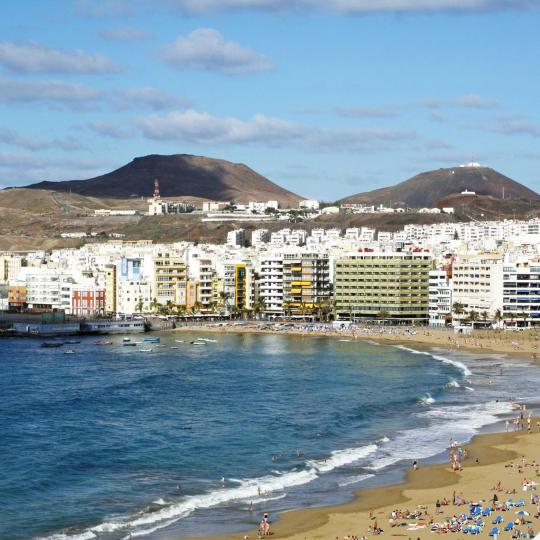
pixel 524 343
pixel 487 465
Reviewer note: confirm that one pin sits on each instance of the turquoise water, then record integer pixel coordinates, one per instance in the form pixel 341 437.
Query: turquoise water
pixel 113 442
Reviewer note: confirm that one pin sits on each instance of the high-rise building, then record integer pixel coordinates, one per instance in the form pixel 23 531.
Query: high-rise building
pixel 110 289
pixel 306 283
pixel 382 285
pixel 477 283
pixel 170 279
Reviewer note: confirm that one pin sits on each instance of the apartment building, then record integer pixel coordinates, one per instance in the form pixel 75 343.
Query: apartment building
pixel 110 289
pixel 48 289
pixel 389 285
pixel 521 293
pixel 440 298
pixel 270 284
pixel 170 278
pixel 477 283
pixel 306 283
pixel 133 296
pixel 87 301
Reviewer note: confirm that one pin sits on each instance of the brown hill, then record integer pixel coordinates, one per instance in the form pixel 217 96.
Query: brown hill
pixel 179 175
pixel 426 189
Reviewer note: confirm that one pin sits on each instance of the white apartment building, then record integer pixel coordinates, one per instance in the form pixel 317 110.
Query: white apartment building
pixel 261 207
pixel 440 298
pixel 236 237
pixel 49 289
pixel 309 204
pixel 284 237
pixel 270 283
pixel 478 283
pixel 260 236
pixel 521 292
pixel 133 294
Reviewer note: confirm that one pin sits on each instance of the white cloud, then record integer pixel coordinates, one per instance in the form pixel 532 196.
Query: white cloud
pixel 125 34
pixel 367 112
pixel 13 91
pixel 514 125
pixel 203 128
pixel 147 96
pixel 110 129
pixel 37 58
pixel 206 48
pixel 11 137
pixel 350 6
pixel 470 101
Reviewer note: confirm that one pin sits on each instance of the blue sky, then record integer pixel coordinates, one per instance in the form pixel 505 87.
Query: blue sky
pixel 326 98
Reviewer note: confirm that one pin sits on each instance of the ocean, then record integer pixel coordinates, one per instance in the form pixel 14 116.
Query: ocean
pixel 111 443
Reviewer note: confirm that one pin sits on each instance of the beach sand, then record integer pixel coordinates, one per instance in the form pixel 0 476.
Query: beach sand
pixel 422 488
pixel 495 341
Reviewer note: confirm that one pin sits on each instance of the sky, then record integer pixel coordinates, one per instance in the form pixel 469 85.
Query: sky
pixel 325 97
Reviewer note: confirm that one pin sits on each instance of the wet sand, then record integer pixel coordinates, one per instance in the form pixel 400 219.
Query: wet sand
pixel 422 488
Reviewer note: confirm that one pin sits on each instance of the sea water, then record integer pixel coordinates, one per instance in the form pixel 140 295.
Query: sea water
pixel 112 442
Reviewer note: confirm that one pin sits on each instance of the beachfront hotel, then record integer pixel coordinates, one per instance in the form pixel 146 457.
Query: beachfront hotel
pixel 382 285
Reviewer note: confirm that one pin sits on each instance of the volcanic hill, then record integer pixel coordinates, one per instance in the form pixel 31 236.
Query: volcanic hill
pixel 179 175
pixel 426 189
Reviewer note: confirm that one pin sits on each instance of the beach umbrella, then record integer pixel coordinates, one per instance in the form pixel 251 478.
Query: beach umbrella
pixel 522 513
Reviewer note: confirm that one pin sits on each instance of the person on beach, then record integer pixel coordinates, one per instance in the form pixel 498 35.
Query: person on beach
pixel 415 465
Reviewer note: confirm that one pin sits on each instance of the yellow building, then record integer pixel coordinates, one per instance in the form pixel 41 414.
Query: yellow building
pixel 306 283
pixel 170 279
pixel 110 289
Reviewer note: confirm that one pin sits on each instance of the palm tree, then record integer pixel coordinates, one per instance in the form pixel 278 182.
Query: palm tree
pixel 484 315
pixel 458 308
pixel 524 315
pixel 140 305
pixel 498 317
pixel 154 304
pixel 259 306
pixel 472 316
pixel 197 307
pixel 383 315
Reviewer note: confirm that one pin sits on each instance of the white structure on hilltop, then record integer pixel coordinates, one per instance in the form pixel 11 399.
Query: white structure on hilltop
pixel 309 204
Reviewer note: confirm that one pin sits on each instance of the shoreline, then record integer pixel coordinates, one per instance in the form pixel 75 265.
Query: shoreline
pixel 419 488
pixel 524 344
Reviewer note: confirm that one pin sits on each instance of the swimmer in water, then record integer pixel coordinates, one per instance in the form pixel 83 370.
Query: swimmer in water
pixel 222 481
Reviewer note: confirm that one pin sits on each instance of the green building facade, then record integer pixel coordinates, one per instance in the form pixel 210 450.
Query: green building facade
pixel 392 286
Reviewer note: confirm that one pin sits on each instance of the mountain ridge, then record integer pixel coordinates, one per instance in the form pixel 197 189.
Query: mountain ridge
pixel 427 188
pixel 179 175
